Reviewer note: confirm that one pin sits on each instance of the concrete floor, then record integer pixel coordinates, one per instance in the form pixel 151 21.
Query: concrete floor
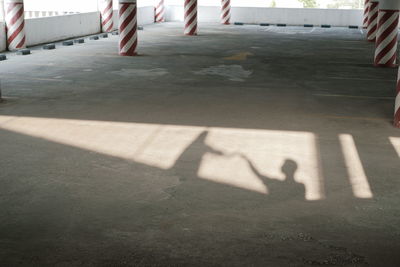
pixel 244 146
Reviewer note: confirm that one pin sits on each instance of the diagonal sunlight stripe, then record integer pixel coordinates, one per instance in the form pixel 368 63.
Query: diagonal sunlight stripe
pixel 357 176
pixel 250 159
pixel 396 144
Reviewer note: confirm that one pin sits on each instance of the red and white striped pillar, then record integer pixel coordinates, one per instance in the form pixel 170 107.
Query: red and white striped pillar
pixel 128 40
pixel 386 38
pixel 15 24
pixel 397 105
pixel 226 12
pixel 106 8
pixel 366 12
pixel 190 17
pixel 372 20
pixel 159 11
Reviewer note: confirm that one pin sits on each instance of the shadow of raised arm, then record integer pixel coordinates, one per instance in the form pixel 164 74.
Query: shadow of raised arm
pixel 265 179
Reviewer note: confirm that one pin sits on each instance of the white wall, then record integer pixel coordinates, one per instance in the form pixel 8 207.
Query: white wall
pixel 243 3
pixel 140 3
pixel 50 29
pixel 2 27
pixel 292 16
pixel 2 36
pixel 145 16
pixel 76 6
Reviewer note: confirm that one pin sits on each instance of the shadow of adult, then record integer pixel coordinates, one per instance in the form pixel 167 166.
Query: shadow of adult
pixel 288 189
pixel 188 164
pixel 196 191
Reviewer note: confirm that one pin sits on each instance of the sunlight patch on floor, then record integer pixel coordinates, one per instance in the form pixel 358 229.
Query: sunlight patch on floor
pixel 259 155
pixel 243 158
pixel 355 169
pixel 396 144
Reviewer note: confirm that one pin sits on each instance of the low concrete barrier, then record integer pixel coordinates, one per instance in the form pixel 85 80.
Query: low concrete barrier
pixel 50 29
pixel 43 30
pixel 56 28
pixel 289 16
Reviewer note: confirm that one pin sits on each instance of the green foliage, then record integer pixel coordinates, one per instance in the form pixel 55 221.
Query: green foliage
pixel 346 3
pixel 309 3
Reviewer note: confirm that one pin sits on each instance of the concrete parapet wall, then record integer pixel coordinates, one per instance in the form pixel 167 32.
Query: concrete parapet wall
pixel 291 16
pixel 50 29
pixel 56 28
pixel 146 15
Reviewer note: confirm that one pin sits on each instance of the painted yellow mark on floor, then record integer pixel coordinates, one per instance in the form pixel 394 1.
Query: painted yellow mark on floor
pixel 240 56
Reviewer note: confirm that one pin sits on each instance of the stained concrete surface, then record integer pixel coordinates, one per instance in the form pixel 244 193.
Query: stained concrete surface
pixel 197 152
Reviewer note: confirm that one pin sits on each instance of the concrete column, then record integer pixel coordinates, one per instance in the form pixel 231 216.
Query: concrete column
pixel 128 40
pixel 372 20
pixel 386 37
pixel 366 12
pixel 15 22
pixel 159 11
pixel 190 17
pixel 106 11
pixel 226 12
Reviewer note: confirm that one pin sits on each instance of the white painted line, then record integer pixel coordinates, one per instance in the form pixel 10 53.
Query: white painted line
pixel 347 41
pixel 349 62
pixel 356 118
pixel 356 96
pixel 353 48
pixel 46 79
pixel 361 79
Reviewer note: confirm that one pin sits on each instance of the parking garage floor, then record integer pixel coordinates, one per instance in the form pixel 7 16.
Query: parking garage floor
pixel 243 146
